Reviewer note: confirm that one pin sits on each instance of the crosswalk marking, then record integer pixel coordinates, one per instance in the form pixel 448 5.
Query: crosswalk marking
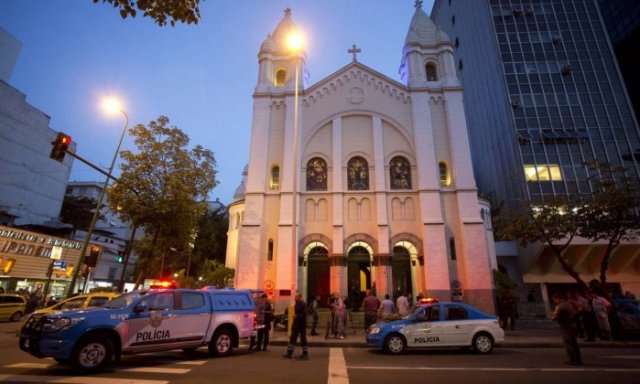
pixel 74 380
pixel 337 367
pixel 31 365
pixel 495 369
pixel 192 362
pixel 178 371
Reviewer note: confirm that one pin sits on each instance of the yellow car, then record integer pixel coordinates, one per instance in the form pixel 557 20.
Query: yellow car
pixel 81 301
pixel 12 307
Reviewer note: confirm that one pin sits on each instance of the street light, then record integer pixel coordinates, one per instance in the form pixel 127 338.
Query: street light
pixel 112 106
pixel 295 45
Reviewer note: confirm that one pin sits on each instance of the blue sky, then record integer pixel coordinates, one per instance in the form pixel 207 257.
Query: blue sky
pixel 201 76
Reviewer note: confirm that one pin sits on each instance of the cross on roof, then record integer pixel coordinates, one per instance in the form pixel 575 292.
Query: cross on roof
pixel 287 11
pixel 418 4
pixel 354 51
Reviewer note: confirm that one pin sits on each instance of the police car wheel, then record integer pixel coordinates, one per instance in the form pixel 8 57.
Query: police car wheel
pixel 394 344
pixel 93 353
pixel 221 344
pixel 482 343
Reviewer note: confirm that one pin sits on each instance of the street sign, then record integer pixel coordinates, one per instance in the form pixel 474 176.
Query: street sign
pixel 59 265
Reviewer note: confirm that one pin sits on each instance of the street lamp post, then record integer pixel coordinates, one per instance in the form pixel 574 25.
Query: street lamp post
pixel 295 45
pixel 114 106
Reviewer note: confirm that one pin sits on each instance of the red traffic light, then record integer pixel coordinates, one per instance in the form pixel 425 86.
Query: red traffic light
pixel 60 146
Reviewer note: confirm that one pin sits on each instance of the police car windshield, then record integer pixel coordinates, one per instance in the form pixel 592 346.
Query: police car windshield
pixel 124 300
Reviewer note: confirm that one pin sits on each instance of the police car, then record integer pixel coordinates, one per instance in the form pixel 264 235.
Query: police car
pixel 438 324
pixel 140 322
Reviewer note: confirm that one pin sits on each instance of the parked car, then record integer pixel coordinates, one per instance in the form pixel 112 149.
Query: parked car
pixel 628 311
pixel 89 300
pixel 435 324
pixel 12 307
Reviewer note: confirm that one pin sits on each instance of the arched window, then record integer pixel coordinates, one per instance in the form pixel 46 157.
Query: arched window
pixel 432 73
pixel 444 174
pixel 317 174
pixel 274 183
pixel 400 173
pixel 452 248
pixel 281 78
pixel 357 174
pixel 270 250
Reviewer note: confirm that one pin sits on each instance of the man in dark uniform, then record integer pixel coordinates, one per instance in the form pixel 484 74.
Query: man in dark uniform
pixel 299 327
pixel 564 315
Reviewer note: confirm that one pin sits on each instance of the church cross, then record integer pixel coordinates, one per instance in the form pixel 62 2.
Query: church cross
pixel 418 4
pixel 354 51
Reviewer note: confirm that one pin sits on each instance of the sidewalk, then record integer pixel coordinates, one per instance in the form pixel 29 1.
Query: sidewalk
pixel 520 338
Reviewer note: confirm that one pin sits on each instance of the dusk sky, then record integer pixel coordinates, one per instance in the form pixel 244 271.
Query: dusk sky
pixel 200 76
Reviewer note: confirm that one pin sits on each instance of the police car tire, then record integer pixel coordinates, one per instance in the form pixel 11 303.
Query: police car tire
pixel 221 344
pixel 395 344
pixel 482 343
pixel 101 345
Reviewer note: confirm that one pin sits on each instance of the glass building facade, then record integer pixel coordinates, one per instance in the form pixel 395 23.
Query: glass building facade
pixel 543 95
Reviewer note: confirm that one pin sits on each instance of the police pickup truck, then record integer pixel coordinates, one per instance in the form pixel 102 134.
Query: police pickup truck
pixel 139 322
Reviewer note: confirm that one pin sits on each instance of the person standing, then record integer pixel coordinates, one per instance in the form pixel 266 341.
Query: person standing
pixel 601 308
pixel 387 307
pixel 402 303
pixel 313 311
pixel 564 315
pixel 268 319
pixel 370 305
pixel 259 330
pixel 298 328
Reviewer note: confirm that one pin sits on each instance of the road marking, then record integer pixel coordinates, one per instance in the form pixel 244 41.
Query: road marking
pixel 629 357
pixel 192 362
pixel 75 380
pixel 497 369
pixel 337 367
pixel 178 371
pixel 31 365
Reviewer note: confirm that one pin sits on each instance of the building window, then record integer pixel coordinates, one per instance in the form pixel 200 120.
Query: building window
pixel 460 65
pixel 275 178
pixel 358 174
pixel 452 248
pixel 432 73
pixel 281 78
pixel 316 175
pixel 445 181
pixel 270 250
pixel 545 172
pixel 457 44
pixel 400 173
pixel 453 20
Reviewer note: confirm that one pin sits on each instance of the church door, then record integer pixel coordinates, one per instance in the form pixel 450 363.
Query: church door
pixel 318 275
pixel 401 271
pixel 359 270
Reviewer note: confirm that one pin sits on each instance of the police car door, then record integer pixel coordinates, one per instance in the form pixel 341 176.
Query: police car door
pixel 457 326
pixel 425 329
pixel 153 323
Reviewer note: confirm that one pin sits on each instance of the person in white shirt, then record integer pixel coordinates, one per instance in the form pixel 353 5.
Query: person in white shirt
pixel 402 303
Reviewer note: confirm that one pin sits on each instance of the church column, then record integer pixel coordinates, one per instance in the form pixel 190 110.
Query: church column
pixel 436 264
pixel 338 269
pixel 474 263
pixel 383 272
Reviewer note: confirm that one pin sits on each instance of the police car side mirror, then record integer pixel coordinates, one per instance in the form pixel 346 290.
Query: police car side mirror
pixel 140 307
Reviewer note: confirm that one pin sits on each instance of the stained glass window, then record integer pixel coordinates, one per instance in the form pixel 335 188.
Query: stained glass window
pixel 400 173
pixel 316 175
pixel 358 174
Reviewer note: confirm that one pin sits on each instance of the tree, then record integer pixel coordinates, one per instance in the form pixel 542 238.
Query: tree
pixel 163 188
pixel 78 211
pixel 185 11
pixel 211 242
pixel 215 273
pixel 609 214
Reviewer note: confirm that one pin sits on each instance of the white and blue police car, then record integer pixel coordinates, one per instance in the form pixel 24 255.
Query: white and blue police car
pixel 433 324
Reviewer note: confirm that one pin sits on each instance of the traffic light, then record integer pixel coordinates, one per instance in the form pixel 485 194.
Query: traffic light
pixel 60 146
pixel 92 259
pixel 119 259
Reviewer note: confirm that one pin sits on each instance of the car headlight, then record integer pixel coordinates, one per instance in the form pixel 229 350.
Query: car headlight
pixel 373 330
pixel 55 325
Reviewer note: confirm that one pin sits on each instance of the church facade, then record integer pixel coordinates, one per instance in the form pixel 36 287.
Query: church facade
pixel 365 183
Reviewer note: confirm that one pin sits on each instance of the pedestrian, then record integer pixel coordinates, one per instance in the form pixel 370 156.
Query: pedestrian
pixel 579 304
pixel 34 301
pixel 387 307
pixel 341 311
pixel 564 315
pixel 507 310
pixel 313 311
pixel 370 305
pixel 298 328
pixel 268 319
pixel 601 308
pixel 402 304
pixel 260 320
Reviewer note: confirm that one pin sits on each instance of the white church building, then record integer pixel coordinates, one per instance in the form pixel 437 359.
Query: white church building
pixel 371 188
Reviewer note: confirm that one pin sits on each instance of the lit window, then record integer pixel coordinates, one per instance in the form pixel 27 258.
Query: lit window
pixel 432 74
pixel 281 78
pixel 542 172
pixel 445 181
pixel 275 178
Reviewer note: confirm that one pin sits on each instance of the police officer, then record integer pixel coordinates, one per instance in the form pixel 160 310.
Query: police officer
pixel 299 327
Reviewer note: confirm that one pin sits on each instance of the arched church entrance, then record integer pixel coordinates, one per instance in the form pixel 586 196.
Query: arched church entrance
pixel 401 271
pixel 359 270
pixel 317 257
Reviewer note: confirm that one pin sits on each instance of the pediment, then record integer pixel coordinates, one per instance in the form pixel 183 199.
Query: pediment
pixel 346 76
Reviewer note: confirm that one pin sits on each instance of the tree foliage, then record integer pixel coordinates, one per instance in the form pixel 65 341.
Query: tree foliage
pixel 610 214
pixel 211 242
pixel 78 211
pixel 163 187
pixel 161 11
